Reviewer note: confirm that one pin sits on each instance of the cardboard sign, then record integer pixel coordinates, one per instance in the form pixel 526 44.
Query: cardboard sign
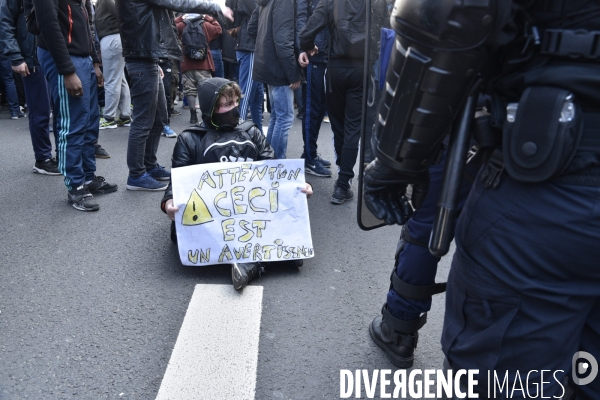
pixel 241 212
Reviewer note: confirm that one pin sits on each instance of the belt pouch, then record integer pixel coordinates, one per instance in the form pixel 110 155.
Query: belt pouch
pixel 540 140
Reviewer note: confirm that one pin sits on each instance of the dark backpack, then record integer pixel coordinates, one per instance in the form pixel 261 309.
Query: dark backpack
pixel 195 45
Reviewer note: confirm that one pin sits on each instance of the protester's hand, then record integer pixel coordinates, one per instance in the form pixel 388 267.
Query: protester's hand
pixel 161 73
pixel 385 192
pixel 171 209
pixel 307 190
pixel 303 59
pixel 99 76
pixel 233 32
pixel 295 85
pixel 313 51
pixel 227 12
pixel 73 85
pixel 21 69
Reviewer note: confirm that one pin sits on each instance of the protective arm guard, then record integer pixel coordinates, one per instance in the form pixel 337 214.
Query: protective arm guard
pixel 438 52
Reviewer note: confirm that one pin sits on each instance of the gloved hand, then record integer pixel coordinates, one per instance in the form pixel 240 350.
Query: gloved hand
pixel 385 192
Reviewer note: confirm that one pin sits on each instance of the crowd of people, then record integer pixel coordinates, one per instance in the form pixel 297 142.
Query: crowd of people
pixel 508 290
pixel 100 65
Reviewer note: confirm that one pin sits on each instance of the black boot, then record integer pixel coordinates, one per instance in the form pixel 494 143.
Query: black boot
pixel 241 274
pixel 399 346
pixel 193 116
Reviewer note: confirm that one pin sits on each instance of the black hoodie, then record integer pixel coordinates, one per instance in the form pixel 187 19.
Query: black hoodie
pixel 200 145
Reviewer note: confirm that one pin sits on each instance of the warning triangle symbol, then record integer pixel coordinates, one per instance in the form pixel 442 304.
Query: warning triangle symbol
pixel 196 212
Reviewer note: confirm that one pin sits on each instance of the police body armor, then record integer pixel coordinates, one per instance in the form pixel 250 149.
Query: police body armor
pixel 536 60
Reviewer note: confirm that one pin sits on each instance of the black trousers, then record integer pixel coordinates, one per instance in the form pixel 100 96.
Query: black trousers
pixel 344 107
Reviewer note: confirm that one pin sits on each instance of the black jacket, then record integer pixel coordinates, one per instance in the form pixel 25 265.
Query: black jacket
pixel 65 27
pixel 106 18
pixel 145 26
pixel 15 40
pixel 199 146
pixel 346 22
pixel 242 11
pixel 304 9
pixel 275 57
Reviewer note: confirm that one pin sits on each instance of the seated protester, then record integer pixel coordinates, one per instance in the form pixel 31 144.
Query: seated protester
pixel 219 104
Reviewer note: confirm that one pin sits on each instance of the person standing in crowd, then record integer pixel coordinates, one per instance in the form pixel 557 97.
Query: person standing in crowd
pixel 67 55
pixel 273 25
pixel 10 87
pixel 116 89
pixel 346 23
pixel 18 46
pixel 147 36
pixel 196 71
pixel 252 91
pixel 313 93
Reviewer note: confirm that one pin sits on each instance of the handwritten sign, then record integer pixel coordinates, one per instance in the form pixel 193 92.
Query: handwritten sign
pixel 241 212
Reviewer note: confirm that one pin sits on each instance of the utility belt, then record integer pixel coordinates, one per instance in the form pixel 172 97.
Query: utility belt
pixel 541 135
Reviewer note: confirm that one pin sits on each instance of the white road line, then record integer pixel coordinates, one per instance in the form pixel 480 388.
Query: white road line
pixel 216 352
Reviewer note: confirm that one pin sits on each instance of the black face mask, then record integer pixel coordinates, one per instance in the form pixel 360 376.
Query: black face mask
pixel 230 119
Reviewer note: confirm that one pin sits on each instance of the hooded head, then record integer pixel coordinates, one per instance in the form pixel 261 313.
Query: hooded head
pixel 219 102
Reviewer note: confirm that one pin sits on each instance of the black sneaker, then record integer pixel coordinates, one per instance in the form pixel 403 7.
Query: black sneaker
pixel 100 186
pixel 124 122
pixel 48 166
pixel 314 167
pixel 81 199
pixel 340 195
pixel 100 152
pixel 175 113
pixel 241 274
pixel 16 115
pixel 326 163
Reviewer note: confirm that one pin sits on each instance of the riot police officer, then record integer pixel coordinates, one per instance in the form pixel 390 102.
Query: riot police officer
pixel 523 295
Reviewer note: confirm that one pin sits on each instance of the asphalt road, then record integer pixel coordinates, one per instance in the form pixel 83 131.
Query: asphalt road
pixel 91 303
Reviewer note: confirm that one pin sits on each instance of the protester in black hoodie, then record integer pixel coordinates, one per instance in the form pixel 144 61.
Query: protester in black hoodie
pixel 219 103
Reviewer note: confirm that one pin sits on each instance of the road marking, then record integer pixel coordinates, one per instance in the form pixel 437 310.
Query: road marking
pixel 216 352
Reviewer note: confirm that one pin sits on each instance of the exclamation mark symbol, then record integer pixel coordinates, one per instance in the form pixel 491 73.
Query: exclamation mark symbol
pixel 196 212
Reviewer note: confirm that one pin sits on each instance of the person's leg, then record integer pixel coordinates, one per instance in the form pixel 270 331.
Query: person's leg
pixel 257 98
pixel 145 82
pixel 315 105
pixel 218 60
pixel 282 105
pixel 92 122
pixel 38 102
pixel 9 84
pixel 112 69
pixel 336 107
pixel 352 123
pixel 160 120
pixel 71 114
pixel 190 91
pixel 247 84
pixel 524 281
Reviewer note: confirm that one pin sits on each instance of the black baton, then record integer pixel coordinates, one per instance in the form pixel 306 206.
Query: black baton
pixel 447 206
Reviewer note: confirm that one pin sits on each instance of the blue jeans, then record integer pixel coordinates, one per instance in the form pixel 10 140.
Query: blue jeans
pixel 217 56
pixel 77 119
pixel 9 83
pixel 251 89
pixel 282 117
pixel 149 116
